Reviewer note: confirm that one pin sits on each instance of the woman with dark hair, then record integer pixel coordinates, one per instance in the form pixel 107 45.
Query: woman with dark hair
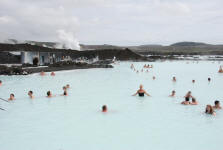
pixel 30 93
pixel 104 108
pixel 49 94
pixel 12 97
pixel 209 110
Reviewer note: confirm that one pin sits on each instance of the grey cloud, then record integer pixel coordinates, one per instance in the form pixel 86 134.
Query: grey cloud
pixel 123 22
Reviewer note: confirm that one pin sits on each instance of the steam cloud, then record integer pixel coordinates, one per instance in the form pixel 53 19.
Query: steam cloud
pixel 67 40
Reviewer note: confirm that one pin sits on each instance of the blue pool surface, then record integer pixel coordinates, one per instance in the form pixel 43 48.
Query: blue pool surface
pixel 131 123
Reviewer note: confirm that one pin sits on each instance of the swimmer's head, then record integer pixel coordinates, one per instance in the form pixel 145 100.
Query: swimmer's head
pixel 48 93
pixel 173 91
pixel 30 93
pixel 12 96
pixel 0 81
pixel 67 86
pixel 209 79
pixel 217 103
pixel 104 108
pixel 209 109
pixel 189 92
pixel 193 81
pixel 64 87
pixel 193 99
pixel 141 86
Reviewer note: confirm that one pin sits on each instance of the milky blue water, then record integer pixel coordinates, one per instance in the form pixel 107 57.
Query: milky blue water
pixel 131 123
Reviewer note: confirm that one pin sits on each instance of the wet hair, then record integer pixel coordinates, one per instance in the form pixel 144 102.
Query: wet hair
pixel 187 99
pixel 216 102
pixel 104 108
pixel 48 93
pixel 193 100
pixel 31 92
pixel 64 87
pixel 12 95
pixel 211 109
pixel 0 81
pixel 209 79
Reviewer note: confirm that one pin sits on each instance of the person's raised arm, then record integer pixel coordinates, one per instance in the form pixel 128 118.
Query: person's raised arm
pixel 147 93
pixel 135 94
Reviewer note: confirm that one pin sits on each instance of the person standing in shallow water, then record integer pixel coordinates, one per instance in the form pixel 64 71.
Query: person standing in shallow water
pixel 141 92
pixel 0 82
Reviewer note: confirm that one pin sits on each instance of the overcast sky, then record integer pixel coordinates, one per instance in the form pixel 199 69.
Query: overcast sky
pixel 120 22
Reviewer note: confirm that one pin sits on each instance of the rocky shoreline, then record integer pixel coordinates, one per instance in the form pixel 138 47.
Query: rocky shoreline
pixel 21 70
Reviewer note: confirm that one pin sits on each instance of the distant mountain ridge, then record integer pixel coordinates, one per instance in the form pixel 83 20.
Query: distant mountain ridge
pixel 189 44
pixel 180 48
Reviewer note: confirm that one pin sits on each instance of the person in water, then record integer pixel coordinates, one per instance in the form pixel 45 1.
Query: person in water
pixel 174 79
pixel 0 82
pixel 209 79
pixel 188 95
pixel 49 94
pixel 141 92
pixel 52 74
pixel 186 102
pixel 67 86
pixel 154 77
pixel 209 110
pixel 42 73
pixel 172 94
pixel 65 91
pixel 217 105
pixel 194 101
pixel 193 81
pixel 11 97
pixel 220 70
pixel 104 108
pixel 30 93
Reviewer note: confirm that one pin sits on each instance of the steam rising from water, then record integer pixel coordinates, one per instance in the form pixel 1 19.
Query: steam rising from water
pixel 67 40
